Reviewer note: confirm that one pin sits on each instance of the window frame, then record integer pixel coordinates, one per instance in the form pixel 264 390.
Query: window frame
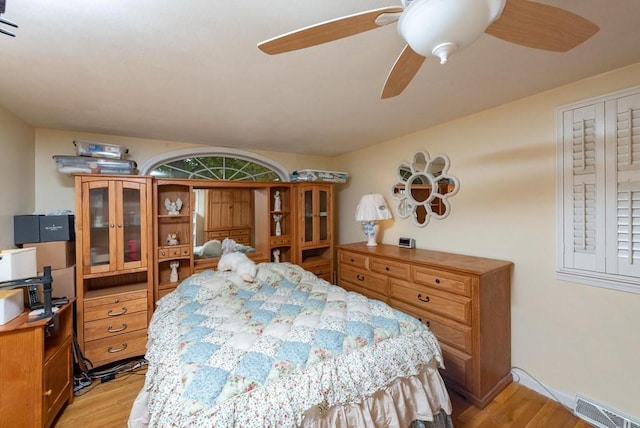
pixel 164 158
pixel 609 186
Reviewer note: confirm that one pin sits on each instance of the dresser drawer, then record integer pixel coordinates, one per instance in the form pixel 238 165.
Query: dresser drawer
pixel 277 241
pixel 365 292
pixel 106 327
pixel 319 267
pixel 389 267
pixel 458 366
pixel 114 298
pixel 114 310
pixel 117 347
pixel 241 236
pixel 449 305
pixel 219 235
pixel 447 331
pixel 173 252
pixel 163 290
pixel 365 279
pixel 448 281
pixel 354 259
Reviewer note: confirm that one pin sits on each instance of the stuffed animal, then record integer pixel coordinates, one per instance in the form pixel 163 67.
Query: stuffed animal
pixel 210 249
pixel 240 264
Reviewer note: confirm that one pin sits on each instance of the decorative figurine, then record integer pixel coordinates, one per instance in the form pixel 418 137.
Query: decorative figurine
pixel 173 208
pixel 174 271
pixel 277 203
pixel 276 255
pixel 277 218
pixel 172 239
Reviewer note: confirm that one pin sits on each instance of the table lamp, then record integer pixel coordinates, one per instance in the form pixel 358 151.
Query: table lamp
pixel 371 209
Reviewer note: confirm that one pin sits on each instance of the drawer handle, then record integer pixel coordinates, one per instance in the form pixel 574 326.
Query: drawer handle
pixel 115 314
pixel 387 268
pixel 427 323
pixel 113 351
pixel 116 330
pixel 360 277
pixel 48 393
pixel 423 299
pixel 437 280
pixel 352 260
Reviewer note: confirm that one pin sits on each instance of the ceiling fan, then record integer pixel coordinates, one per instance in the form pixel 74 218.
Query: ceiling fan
pixel 439 28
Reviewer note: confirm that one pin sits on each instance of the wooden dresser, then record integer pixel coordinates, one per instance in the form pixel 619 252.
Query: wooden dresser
pixel 464 300
pixel 36 369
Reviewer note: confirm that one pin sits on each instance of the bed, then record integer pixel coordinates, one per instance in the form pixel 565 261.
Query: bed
pixel 287 350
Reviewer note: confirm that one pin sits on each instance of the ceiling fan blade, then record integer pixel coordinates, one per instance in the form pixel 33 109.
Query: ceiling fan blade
pixel 541 26
pixel 403 71
pixel 327 31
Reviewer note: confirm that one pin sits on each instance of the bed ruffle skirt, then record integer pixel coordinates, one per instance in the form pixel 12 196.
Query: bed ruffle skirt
pixel 419 401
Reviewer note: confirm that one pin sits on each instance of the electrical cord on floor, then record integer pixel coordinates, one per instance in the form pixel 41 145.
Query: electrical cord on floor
pixel 569 409
pixel 87 380
pixel 110 373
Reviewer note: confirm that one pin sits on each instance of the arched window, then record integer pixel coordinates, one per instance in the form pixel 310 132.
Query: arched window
pixel 215 163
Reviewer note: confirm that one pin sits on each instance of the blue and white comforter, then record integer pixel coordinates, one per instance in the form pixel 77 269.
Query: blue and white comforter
pixel 224 353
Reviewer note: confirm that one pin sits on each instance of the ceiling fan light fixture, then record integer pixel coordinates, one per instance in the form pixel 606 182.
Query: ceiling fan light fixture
pixel 443 51
pixel 438 27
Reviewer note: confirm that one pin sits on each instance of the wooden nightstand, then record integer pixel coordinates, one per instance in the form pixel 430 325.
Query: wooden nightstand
pixel 36 368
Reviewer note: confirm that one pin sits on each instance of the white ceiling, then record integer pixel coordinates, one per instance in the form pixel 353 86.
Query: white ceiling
pixel 190 71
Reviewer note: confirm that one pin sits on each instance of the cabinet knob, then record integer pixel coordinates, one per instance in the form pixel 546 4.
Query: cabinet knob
pixel 48 393
pixel 360 277
pixel 437 280
pixel 423 299
pixel 112 225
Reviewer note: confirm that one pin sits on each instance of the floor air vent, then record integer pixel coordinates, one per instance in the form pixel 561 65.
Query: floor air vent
pixel 602 417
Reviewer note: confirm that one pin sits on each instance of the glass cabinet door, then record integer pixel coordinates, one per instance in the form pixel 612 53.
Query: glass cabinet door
pixel 100 226
pixel 114 214
pixel 131 231
pixel 308 216
pixel 323 215
pixel 317 219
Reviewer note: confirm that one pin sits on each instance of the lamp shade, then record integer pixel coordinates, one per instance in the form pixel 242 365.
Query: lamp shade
pixel 372 207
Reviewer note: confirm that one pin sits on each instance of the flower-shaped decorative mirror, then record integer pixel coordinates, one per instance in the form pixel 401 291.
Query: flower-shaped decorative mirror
pixel 424 188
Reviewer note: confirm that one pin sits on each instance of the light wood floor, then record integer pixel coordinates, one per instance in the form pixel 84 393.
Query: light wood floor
pixel 108 404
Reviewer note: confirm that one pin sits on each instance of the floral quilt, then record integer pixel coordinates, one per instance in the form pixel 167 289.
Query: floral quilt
pixel 223 352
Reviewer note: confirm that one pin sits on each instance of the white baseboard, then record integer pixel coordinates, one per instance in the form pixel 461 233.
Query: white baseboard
pixel 527 380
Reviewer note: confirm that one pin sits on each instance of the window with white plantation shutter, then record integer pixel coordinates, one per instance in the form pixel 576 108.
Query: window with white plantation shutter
pixel 599 191
pixel 623 114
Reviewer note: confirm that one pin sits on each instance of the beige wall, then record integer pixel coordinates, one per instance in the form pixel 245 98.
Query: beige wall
pixel 16 173
pixel 574 338
pixel 54 190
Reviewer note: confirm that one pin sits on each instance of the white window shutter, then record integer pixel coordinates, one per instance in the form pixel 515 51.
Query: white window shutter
pixel 623 188
pixel 584 191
